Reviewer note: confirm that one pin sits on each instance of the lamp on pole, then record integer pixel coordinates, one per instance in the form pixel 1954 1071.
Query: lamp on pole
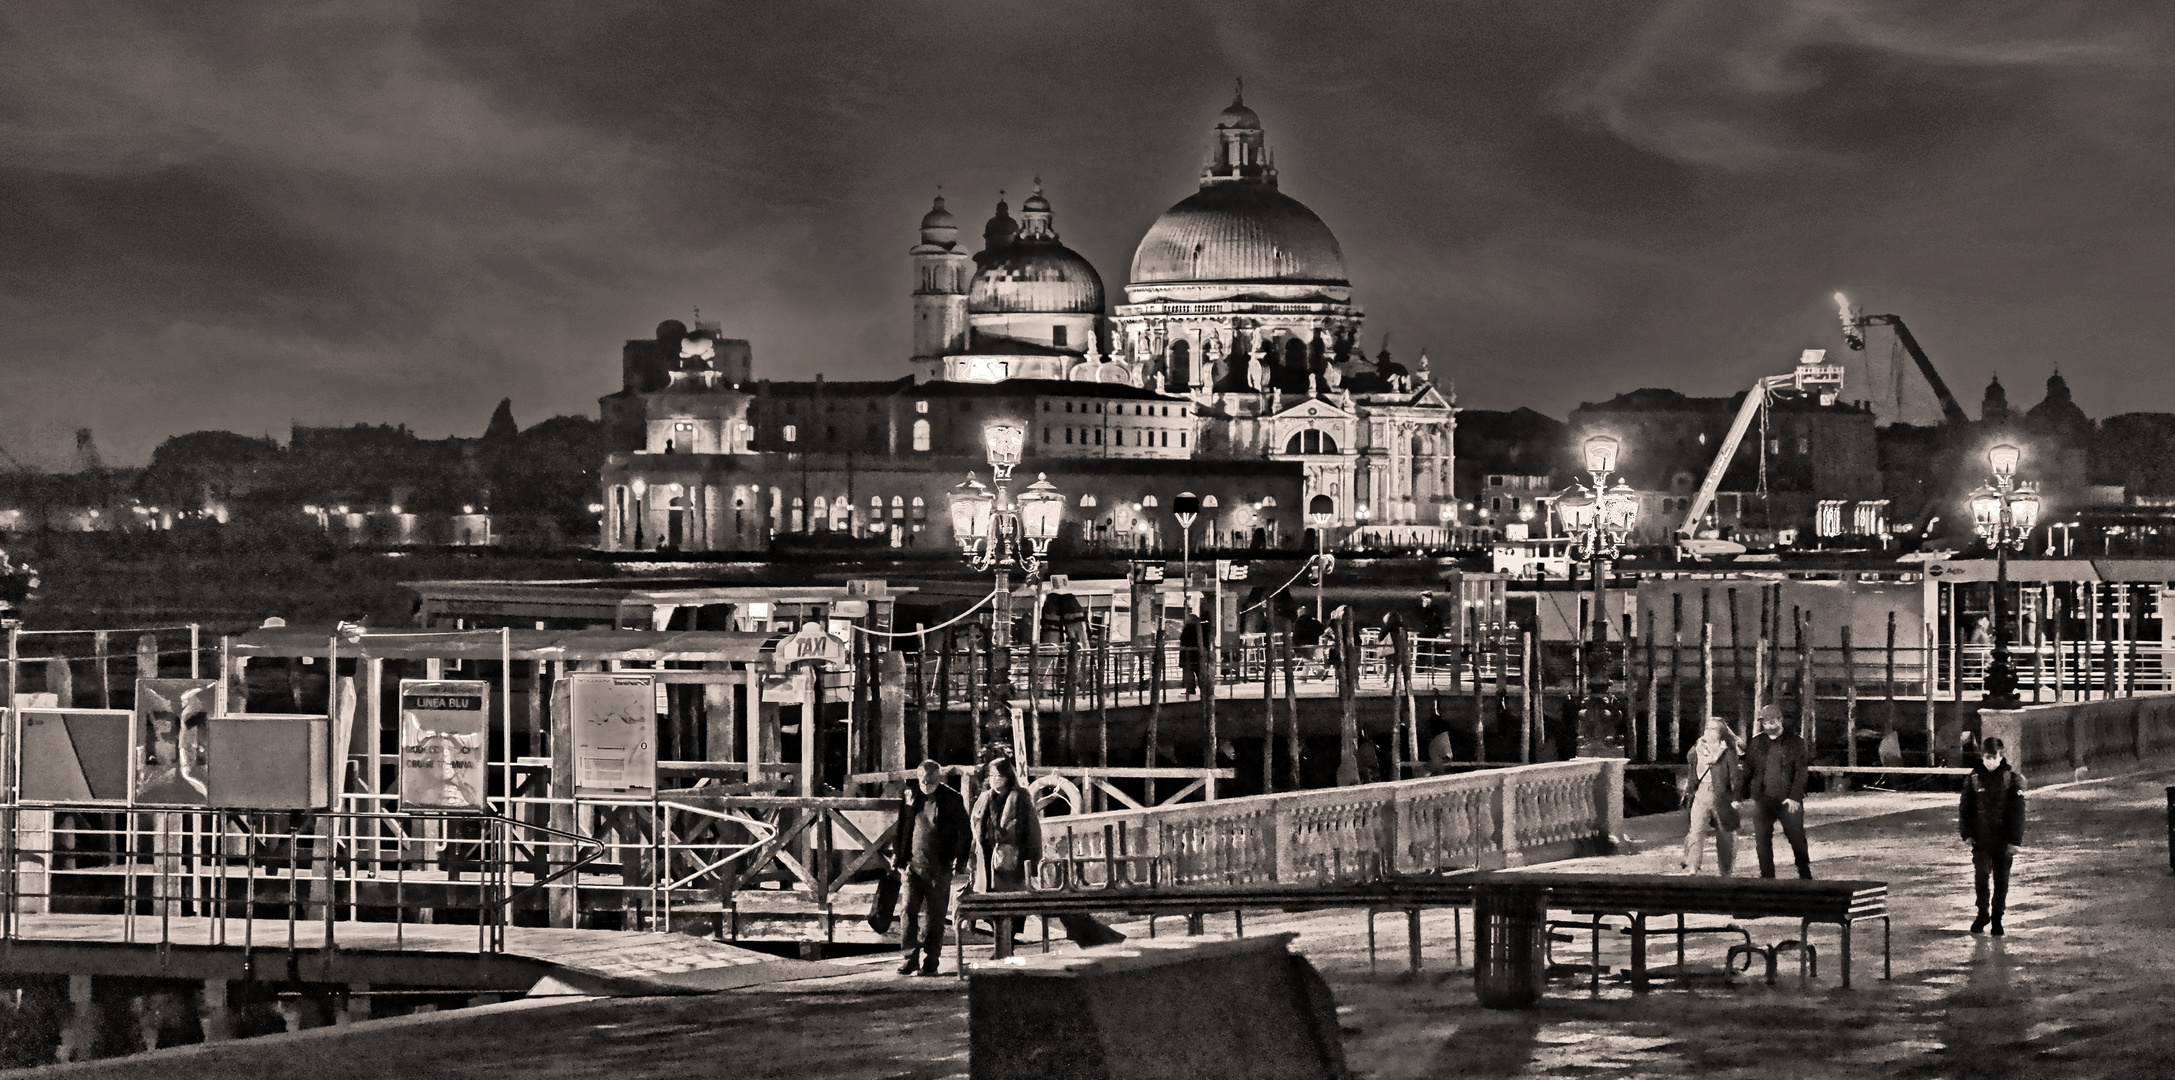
pixel 997 533
pixel 1186 507
pixel 1321 509
pixel 1598 521
pixel 2003 512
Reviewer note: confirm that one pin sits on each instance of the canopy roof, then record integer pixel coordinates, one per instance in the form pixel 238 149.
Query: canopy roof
pixel 652 645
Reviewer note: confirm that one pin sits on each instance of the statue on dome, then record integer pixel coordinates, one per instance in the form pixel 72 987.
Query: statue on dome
pixel 1257 374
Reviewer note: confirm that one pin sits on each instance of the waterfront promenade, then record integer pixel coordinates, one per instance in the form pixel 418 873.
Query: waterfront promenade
pixel 2081 987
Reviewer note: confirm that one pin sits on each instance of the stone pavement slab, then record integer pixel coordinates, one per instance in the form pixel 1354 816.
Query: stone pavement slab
pixel 2083 986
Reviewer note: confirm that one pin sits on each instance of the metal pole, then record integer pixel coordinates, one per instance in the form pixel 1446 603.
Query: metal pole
pixel 1321 573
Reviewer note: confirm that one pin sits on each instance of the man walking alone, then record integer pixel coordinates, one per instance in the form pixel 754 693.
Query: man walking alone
pixel 1774 780
pixel 932 846
pixel 1991 818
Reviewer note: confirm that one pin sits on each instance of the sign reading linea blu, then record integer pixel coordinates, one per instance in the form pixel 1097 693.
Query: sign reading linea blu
pixel 445 738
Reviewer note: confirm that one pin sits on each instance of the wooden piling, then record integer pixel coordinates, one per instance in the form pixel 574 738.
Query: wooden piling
pixel 1674 732
pixel 1291 706
pixel 1348 697
pixel 1736 664
pixel 1530 691
pixel 1268 696
pixel 1653 694
pixel 1808 689
pixel 1850 700
pixel 1155 703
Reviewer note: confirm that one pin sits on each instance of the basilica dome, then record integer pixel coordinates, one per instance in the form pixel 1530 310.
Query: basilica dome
pixel 1028 271
pixel 1239 232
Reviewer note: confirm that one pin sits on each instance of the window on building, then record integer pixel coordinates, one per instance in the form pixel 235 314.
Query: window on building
pixel 1166 438
pixel 1871 518
pixel 1068 436
pixel 841 514
pixel 1057 336
pixel 1098 436
pixel 1045 406
pixel 1045 433
pixel 1804 446
pixel 1495 505
pixel 790 433
pixel 1068 406
pixel 796 524
pixel 921 406
pixel 1181 438
pixel 921 435
pixel 1310 441
pixel 1098 407
pixel 1087 500
pixel 1829 520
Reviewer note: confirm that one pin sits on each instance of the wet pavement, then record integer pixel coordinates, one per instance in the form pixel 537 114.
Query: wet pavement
pixel 2083 985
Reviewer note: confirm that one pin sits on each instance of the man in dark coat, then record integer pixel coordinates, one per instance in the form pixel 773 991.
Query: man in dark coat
pixel 1428 624
pixel 933 840
pixel 1773 779
pixel 1991 819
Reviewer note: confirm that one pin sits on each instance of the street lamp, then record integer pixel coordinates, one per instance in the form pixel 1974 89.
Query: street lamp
pixel 1322 510
pixel 2003 512
pixel 1186 507
pixel 997 534
pixel 1598 521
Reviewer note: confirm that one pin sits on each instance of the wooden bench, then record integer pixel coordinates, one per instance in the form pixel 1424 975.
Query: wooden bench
pixel 1638 897
pixel 1635 897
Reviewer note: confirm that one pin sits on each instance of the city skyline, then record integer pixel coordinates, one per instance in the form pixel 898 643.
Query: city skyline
pixel 359 213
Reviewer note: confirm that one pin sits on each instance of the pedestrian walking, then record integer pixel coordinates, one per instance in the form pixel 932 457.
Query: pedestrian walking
pixel 1991 818
pixel 1774 780
pixel 1715 769
pixel 931 847
pixel 1189 652
pixel 1008 834
pixel 1428 623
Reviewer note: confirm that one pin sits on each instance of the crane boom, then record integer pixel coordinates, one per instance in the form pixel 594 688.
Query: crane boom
pixel 1813 375
pixel 1854 325
pixel 1722 457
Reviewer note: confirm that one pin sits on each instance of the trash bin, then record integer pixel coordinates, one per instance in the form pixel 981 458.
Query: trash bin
pixel 1510 950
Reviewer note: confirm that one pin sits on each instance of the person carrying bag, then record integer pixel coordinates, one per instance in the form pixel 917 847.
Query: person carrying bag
pixel 1715 769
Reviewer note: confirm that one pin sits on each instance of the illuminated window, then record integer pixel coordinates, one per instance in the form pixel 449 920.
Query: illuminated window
pixel 1871 518
pixel 921 406
pixel 1829 520
pixel 791 433
pixel 841 514
pixel 921 433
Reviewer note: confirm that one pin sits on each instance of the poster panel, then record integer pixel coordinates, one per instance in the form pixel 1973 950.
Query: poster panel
pixel 75 755
pixel 167 749
pixel 445 739
pixel 615 733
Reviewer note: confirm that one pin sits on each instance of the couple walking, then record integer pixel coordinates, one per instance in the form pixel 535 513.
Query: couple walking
pixel 1769 776
pixel 936 836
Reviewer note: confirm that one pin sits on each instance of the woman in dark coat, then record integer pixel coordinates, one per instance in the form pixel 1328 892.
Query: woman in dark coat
pixel 1008 835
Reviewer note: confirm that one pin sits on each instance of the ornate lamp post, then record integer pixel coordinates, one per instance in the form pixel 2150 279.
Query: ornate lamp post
pixel 1321 509
pixel 997 533
pixel 2003 512
pixel 1598 521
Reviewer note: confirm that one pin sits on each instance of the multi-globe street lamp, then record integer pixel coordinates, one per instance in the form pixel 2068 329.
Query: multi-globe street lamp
pixel 1000 534
pixel 2004 513
pixel 1598 521
pixel 1186 507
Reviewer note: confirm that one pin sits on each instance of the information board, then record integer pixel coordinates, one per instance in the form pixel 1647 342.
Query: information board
pixel 445 741
pixel 614 718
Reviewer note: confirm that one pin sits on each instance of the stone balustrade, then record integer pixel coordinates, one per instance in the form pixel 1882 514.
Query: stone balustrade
pixel 1486 819
pixel 2050 740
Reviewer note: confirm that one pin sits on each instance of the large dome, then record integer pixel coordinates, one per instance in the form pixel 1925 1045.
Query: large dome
pixel 1036 278
pixel 1239 232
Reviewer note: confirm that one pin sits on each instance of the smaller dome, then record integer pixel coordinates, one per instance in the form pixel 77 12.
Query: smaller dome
pixel 938 217
pixel 1238 116
pixel 1035 203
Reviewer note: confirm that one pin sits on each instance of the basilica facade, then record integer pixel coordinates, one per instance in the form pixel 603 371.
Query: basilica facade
pixel 1238 302
pixel 1232 369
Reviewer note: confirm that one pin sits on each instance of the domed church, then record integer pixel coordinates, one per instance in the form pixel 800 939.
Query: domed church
pixel 1238 299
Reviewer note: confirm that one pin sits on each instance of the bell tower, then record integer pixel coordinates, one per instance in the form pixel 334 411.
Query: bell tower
pixel 942 272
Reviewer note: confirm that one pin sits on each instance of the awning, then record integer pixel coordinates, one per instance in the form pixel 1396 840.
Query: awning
pixel 649 645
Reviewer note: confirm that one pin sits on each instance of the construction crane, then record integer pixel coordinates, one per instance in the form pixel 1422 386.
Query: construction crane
pixel 1813 375
pixel 1854 324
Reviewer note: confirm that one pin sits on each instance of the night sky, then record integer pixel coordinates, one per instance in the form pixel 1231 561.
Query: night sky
pixel 236 216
